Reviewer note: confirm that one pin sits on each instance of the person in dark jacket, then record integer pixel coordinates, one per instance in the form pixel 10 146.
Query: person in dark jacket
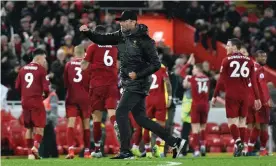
pixel 139 60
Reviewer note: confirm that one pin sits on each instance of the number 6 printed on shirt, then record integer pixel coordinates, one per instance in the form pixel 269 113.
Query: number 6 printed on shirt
pixel 108 60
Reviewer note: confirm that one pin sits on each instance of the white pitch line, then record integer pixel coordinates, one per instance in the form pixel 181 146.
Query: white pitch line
pixel 170 164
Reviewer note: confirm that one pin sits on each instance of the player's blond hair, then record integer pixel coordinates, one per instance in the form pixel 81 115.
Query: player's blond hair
pixel 79 51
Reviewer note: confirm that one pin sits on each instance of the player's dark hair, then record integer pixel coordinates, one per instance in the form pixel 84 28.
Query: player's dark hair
pixel 236 42
pixel 199 66
pixel 100 29
pixel 38 52
pixel 259 52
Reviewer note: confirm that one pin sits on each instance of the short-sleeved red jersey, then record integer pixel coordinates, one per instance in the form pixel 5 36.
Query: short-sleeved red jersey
pixel 103 65
pixel 236 72
pixel 76 81
pixel 262 83
pixel 32 81
pixel 157 87
pixel 200 88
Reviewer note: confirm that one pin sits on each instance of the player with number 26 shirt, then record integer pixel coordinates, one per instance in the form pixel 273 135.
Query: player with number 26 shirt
pixel 236 73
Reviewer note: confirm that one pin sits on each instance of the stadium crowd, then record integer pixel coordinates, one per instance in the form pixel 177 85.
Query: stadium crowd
pixel 54 27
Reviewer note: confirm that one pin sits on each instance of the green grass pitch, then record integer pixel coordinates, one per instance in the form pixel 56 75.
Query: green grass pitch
pixel 210 160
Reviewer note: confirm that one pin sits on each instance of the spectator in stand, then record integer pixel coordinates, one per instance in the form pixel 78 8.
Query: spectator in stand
pixel 50 47
pixel 20 49
pixel 232 16
pixel 61 29
pixel 110 23
pixel 56 74
pixel 268 44
pixel 195 12
pixel 217 11
pixel 244 25
pixel 46 26
pixel 268 19
pixel 68 48
pixel 255 37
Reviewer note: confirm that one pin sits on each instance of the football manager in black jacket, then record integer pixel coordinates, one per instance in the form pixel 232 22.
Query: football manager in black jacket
pixel 138 56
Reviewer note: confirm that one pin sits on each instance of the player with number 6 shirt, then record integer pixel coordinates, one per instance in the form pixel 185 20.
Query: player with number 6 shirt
pixel 236 73
pixel 199 84
pixel 32 82
pixel 77 100
pixel 104 93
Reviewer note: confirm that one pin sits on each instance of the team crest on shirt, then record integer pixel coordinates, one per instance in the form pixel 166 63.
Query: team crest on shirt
pixel 47 77
pixel 262 75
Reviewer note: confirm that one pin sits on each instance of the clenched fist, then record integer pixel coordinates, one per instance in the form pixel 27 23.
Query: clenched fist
pixel 84 28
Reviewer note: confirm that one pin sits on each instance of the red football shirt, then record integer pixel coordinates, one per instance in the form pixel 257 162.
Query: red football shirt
pixel 262 83
pixel 76 81
pixel 103 65
pixel 200 88
pixel 236 72
pixel 157 87
pixel 32 81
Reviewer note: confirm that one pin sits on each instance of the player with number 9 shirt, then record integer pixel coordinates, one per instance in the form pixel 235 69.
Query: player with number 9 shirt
pixel 236 73
pixel 104 93
pixel 199 84
pixel 32 82
pixel 77 100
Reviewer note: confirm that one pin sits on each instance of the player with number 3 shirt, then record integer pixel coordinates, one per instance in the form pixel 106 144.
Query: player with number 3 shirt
pixel 77 100
pixel 104 94
pixel 32 82
pixel 236 72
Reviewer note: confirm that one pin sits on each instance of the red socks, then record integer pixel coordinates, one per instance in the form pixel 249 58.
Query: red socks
pixel 70 136
pixel 97 133
pixel 86 138
pixel 203 137
pixel 113 119
pixel 243 134
pixel 253 138
pixel 146 137
pixel 195 142
pixel 30 143
pixel 235 132
pixel 137 136
pixel 263 138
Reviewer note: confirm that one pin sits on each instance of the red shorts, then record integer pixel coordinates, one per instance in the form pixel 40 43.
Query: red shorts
pixel 34 114
pixel 199 113
pixel 75 110
pixel 156 109
pixel 104 97
pixel 260 116
pixel 236 107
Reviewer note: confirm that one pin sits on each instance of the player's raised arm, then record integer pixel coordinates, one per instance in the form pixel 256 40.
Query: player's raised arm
pixel 88 57
pixel 102 39
pixel 150 51
pixel 186 82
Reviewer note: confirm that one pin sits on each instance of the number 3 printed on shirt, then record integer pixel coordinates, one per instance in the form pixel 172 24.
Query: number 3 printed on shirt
pixel 154 85
pixel 108 60
pixel 29 78
pixel 78 77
